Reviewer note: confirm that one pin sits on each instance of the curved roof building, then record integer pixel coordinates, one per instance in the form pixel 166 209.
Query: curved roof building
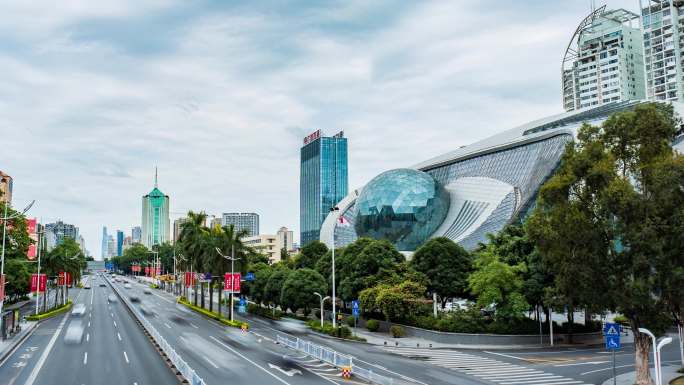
pixel 484 186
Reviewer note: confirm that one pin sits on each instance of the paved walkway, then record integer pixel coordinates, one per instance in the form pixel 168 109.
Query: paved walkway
pixel 7 345
pixel 669 374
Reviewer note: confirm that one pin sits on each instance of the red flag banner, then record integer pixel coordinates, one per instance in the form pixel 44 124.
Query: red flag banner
pixel 231 282
pixel 2 287
pixel 31 225
pixel 38 283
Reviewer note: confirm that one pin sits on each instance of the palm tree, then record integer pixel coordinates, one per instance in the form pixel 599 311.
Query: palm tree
pixel 192 237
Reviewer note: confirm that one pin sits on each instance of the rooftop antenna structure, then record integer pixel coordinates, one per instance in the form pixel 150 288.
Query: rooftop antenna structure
pixel 155 177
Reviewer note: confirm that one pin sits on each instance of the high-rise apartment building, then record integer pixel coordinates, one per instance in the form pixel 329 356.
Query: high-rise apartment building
pixel 119 242
pixel 264 244
pixel 57 231
pixel 5 187
pixel 136 234
pixel 242 221
pixel 155 216
pixel 285 239
pixel 177 224
pixel 111 246
pixel 663 29
pixel 103 251
pixel 604 60
pixel 218 221
pixel 323 181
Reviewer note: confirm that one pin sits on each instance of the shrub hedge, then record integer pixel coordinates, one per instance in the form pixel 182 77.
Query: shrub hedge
pixel 372 325
pixel 211 315
pixel 255 309
pixel 50 313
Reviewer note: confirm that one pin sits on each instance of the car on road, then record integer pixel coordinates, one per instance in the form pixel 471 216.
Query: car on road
pixel 102 284
pixel 74 332
pixel 112 299
pixel 134 298
pixel 147 291
pixel 78 310
pixel 127 285
pixel 86 286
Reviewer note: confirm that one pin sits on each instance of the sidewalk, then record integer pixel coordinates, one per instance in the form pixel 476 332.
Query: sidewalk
pixel 9 344
pixel 669 374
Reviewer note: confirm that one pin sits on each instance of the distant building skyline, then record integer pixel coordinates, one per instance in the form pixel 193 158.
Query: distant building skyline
pixel 323 181
pixel 242 221
pixel 155 216
pixel 56 232
pixel 177 228
pixel 136 234
pixel 6 182
pixel 119 242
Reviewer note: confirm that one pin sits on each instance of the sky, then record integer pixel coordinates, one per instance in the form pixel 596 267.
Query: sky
pixel 219 95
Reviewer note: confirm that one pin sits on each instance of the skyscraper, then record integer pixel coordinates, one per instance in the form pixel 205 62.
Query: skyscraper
pixel 136 234
pixel 177 228
pixel 323 181
pixel 604 60
pixel 663 49
pixel 242 221
pixel 57 231
pixel 104 251
pixel 284 239
pixel 119 242
pixel 155 216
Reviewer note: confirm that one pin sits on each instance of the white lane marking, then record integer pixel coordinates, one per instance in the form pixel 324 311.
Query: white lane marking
pixel 135 383
pixel 119 336
pixel 248 360
pixel 114 323
pixel 85 358
pixel 90 315
pixel 88 323
pixel 504 355
pixel 167 325
pixel 193 325
pixel 111 314
pixel 209 361
pixel 88 337
pixel 583 363
pixel 43 357
pixel 126 357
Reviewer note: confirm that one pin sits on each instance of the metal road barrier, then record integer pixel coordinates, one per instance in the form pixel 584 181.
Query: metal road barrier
pixel 182 366
pixel 332 357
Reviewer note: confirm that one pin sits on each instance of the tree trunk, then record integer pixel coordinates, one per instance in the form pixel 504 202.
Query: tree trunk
pixel 194 291
pixel 642 344
pixel 587 317
pixel 219 302
pixel 202 293
pixel 571 322
pixel 211 297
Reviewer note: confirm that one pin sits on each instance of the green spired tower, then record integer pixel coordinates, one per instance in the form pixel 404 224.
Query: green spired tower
pixel 155 216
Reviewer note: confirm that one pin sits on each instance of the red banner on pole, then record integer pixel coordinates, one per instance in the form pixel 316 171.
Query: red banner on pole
pixel 2 287
pixel 147 270
pixel 38 284
pixel 32 249
pixel 189 278
pixel 60 279
pixel 231 283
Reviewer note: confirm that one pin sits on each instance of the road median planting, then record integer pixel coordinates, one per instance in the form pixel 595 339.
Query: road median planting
pixel 214 316
pixel 50 313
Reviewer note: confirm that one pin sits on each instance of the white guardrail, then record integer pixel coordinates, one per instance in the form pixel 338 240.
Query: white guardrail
pixel 182 366
pixel 334 358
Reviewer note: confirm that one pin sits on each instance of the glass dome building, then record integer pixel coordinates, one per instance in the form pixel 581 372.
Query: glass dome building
pixel 404 206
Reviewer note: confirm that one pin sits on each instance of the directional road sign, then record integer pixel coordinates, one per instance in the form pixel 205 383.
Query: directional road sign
pixel 249 277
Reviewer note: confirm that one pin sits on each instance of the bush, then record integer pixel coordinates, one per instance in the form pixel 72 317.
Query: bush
pixel 372 325
pixel 621 319
pixel 266 312
pixel 397 331
pixel 214 316
pixel 50 313
pixel 350 321
pixel 344 332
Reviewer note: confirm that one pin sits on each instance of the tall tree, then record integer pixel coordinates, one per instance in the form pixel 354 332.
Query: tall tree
pixel 605 222
pixel 446 265
pixel 374 263
pixel 299 287
pixel 310 254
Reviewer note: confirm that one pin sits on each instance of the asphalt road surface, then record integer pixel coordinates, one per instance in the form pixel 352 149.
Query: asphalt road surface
pixel 113 349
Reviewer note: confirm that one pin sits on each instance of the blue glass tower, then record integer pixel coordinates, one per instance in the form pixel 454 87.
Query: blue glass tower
pixel 323 181
pixel 119 242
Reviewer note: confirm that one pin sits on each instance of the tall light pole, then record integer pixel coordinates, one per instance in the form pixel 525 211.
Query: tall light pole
pixel 64 283
pixel 334 314
pixel 322 300
pixel 38 283
pixel 156 256
pixel 655 353
pixel 232 274
pixel 5 218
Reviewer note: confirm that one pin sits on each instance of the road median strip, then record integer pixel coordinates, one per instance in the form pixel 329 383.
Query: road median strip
pixel 50 313
pixel 214 316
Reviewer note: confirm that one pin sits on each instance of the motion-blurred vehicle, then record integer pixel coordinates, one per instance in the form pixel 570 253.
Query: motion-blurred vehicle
pixel 127 285
pixel 147 291
pixel 145 310
pixel 102 284
pixel 112 299
pixel 78 310
pixel 134 298
pixel 74 332
pixel 86 286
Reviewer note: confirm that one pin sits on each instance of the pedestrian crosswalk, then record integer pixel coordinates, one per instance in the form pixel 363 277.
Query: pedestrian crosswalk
pixel 322 369
pixel 483 368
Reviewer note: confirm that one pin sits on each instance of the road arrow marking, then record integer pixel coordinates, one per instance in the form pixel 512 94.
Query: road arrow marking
pixel 288 373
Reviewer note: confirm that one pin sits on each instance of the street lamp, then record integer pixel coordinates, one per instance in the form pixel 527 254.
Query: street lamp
pixel 64 291
pixel 232 274
pixel 334 321
pixel 156 256
pixel 4 219
pixel 322 300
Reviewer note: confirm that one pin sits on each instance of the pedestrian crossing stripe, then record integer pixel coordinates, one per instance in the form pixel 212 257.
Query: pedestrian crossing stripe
pixel 484 368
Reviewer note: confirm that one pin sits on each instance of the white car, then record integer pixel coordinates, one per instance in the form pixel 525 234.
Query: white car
pixel 74 332
pixel 147 291
pixel 127 285
pixel 78 310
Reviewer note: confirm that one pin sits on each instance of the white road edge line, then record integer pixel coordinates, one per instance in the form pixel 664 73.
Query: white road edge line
pixel 88 337
pixel 248 360
pixel 85 358
pixel 209 361
pixel 505 355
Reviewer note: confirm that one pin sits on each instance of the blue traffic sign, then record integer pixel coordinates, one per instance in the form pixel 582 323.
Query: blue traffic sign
pixel 613 342
pixel 612 329
pixel 249 277
pixel 243 301
pixel 355 308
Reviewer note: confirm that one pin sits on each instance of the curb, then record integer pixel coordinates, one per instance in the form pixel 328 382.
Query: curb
pixel 11 349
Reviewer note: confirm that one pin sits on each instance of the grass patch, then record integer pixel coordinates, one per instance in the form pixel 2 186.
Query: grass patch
pixel 340 332
pixel 214 316
pixel 50 313
pixel 677 381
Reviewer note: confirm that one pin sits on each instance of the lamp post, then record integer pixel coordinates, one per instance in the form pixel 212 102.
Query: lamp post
pixel 5 218
pixel 334 314
pixel 64 290
pixel 663 341
pixel 232 260
pixel 154 274
pixel 39 233
pixel 655 353
pixel 322 300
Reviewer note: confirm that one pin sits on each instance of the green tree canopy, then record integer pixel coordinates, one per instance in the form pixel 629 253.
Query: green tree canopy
pixel 310 254
pixel 274 285
pixel 446 266
pixel 378 259
pixel 299 287
pixel 499 284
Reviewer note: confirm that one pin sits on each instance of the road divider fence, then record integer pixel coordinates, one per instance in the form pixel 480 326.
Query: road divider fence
pixel 333 357
pixel 181 366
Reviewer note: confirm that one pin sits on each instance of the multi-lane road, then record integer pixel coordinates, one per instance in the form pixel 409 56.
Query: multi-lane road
pixel 114 350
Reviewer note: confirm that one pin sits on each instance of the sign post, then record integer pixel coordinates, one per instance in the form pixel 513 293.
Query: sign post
pixel 355 312
pixel 612 334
